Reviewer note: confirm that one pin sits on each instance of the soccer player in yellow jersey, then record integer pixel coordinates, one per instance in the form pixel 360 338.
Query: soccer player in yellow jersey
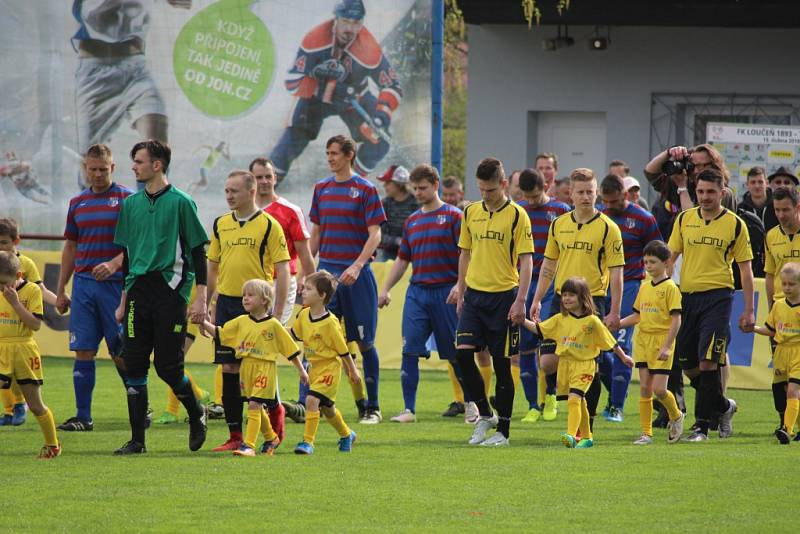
pixel 259 338
pixel 490 299
pixel 587 243
pixel 710 237
pixel 580 335
pixel 657 311
pixel 325 349
pixel 21 315
pixel 783 324
pixel 781 245
pixel 246 243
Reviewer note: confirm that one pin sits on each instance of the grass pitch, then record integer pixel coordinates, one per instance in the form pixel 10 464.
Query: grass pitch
pixel 399 478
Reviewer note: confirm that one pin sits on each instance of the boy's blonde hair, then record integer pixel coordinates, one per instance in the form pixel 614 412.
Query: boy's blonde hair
pixel 9 264
pixel 582 174
pixel 260 288
pixel 325 284
pixel 791 269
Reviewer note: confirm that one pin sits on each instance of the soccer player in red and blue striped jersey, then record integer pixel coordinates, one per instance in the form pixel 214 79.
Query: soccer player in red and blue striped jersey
pixel 541 210
pixel 638 228
pixel 430 244
pixel 90 253
pixel 346 215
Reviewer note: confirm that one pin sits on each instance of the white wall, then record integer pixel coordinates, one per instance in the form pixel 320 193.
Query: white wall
pixel 510 75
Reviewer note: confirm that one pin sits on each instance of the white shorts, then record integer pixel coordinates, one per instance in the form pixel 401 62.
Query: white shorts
pixel 108 90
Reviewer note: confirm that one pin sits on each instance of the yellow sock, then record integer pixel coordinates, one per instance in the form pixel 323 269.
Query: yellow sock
pixel 312 423
pixel 585 427
pixel 266 427
pixel 337 422
pixel 646 415
pixel 542 387
pixel 458 394
pixel 253 426
pixel 486 374
pixel 8 401
pixel 19 398
pixel 359 390
pixel 790 415
pixel 48 424
pixel 671 405
pixel 218 385
pixel 573 415
pixel 515 376
pixel 173 404
pixel 197 391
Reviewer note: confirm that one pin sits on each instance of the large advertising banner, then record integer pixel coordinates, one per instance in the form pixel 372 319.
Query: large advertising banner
pixel 745 146
pixel 223 81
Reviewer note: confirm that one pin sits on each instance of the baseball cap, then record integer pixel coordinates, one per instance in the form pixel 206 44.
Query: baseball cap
pixel 783 171
pixel 396 173
pixel 630 181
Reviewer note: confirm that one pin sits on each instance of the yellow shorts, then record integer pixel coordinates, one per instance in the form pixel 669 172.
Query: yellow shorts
pixel 646 348
pixel 258 378
pixel 324 377
pixel 192 330
pixel 21 361
pixel 574 376
pixel 786 364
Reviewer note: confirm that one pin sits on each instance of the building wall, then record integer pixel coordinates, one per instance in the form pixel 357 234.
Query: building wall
pixel 510 76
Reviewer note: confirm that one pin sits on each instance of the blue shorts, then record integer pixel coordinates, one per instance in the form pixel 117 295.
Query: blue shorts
pixel 426 311
pixel 528 341
pixel 630 289
pixel 484 322
pixel 227 308
pixel 92 315
pixel 358 303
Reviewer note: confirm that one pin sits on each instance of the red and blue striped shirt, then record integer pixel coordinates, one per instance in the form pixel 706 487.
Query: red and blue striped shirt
pixel 638 228
pixel 343 211
pixel 430 243
pixel 541 217
pixel 91 221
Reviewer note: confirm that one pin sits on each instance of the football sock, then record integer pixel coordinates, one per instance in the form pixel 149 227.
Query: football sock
pixel 486 374
pixel 198 391
pixel 218 385
pixel 458 392
pixel 542 383
pixel 792 409
pixel 253 426
pixel 646 415
pixel 573 414
pixel 173 404
pixel 779 399
pixel 137 409
pixel 232 402
pixel 516 376
pixel 473 384
pixel 593 396
pixel 371 376
pixel 586 421
pixel 620 380
pixel 310 430
pixel 550 381
pixel 183 390
pixel 529 378
pixel 48 425
pixel 302 389
pixel 409 380
pixel 83 380
pixel 19 398
pixel 266 425
pixel 504 393
pixel 8 401
pixel 337 422
pixel 671 405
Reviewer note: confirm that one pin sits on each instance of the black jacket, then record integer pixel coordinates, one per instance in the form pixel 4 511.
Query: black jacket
pixel 766 213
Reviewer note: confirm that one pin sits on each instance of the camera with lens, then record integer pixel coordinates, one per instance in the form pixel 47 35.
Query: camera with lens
pixel 672 167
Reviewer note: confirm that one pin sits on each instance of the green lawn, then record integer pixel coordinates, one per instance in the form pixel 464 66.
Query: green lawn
pixel 418 477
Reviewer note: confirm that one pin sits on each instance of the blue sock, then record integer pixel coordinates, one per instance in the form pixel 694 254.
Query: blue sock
pixel 371 376
pixel 302 390
pixel 620 380
pixel 529 377
pixel 409 379
pixel 606 369
pixel 83 378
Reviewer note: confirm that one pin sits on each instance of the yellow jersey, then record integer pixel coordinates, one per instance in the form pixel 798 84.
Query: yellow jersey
pixel 784 320
pixel 263 339
pixel 655 303
pixel 245 250
pixel 708 248
pixel 779 249
pixel 29 270
pixel 585 249
pixel 322 337
pixel 12 329
pixel 495 240
pixel 577 337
